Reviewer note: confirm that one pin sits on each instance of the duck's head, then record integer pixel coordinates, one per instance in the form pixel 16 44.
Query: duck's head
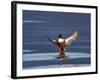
pixel 60 36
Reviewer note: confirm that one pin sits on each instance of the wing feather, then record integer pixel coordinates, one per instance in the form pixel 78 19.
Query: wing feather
pixel 71 39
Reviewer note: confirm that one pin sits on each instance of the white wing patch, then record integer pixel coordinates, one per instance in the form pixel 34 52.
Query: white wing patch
pixel 54 40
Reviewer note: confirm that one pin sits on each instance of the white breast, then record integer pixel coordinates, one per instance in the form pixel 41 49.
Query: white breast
pixel 60 40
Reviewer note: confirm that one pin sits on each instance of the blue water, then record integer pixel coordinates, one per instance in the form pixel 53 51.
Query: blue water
pixel 45 47
pixel 57 62
pixel 37 24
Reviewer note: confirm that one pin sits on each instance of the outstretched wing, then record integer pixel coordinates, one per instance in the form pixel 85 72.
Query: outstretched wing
pixel 53 41
pixel 71 39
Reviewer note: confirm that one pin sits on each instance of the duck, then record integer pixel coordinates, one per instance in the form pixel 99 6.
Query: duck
pixel 63 43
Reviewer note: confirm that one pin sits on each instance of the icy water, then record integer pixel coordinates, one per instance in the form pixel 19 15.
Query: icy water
pixel 38 52
pixel 47 60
